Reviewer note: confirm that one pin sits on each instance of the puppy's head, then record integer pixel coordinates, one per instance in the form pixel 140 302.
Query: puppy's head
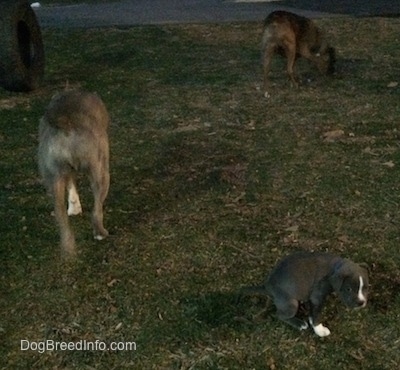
pixel 350 281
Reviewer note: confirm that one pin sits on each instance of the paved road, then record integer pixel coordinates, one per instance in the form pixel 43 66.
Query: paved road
pixel 359 8
pixel 133 12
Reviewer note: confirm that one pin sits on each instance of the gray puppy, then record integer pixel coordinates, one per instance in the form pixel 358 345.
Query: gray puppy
pixel 73 137
pixel 309 278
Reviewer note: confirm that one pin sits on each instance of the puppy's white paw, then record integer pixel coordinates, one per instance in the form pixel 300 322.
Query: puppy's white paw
pixel 321 331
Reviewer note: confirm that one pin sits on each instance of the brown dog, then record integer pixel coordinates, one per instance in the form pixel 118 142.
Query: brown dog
pixel 294 36
pixel 73 137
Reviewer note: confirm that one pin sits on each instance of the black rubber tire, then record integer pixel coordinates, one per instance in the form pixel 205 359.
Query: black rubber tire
pixel 21 47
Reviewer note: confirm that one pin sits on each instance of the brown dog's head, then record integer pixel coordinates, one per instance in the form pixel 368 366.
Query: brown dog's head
pixel 326 59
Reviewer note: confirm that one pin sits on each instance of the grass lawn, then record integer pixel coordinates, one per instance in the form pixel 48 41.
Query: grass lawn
pixel 211 185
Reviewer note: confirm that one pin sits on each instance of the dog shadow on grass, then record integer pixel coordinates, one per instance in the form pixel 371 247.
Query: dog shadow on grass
pixel 216 309
pixel 346 67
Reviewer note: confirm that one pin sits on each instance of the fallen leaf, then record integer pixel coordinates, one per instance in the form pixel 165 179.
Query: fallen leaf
pixel 112 283
pixel 344 238
pixel 333 135
pixel 370 151
pixel 392 84
pixel 389 164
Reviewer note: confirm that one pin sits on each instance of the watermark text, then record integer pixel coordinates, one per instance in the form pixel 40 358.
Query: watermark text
pixel 81 345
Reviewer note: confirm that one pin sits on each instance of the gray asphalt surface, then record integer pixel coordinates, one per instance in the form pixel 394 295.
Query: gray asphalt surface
pixel 358 8
pixel 140 12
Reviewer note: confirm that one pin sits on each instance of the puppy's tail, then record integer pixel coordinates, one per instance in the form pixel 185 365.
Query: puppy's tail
pixel 255 290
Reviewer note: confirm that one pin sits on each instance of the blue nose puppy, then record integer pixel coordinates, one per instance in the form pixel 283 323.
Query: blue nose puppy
pixel 309 278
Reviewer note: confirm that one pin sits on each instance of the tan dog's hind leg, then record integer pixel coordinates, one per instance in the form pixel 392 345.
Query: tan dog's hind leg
pixel 100 182
pixel 67 235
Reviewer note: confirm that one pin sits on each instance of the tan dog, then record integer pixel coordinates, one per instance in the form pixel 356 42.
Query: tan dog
pixel 73 137
pixel 294 36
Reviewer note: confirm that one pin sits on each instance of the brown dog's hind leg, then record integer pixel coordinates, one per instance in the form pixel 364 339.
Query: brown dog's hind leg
pixel 267 57
pixel 290 51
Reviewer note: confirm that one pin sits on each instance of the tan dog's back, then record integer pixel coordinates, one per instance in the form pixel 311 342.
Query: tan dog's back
pixel 77 110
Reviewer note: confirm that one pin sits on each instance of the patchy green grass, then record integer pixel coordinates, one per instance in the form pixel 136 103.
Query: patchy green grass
pixel 211 185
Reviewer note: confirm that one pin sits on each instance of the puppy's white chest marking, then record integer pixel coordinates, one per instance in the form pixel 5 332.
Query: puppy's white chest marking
pixel 361 295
